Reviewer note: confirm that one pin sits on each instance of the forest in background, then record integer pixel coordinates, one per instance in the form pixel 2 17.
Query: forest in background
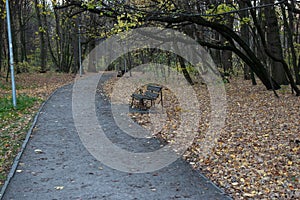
pixel 258 38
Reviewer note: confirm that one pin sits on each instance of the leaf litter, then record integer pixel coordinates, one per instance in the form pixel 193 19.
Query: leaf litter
pixel 257 154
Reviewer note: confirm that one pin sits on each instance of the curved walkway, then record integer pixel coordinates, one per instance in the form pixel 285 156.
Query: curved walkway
pixel 55 165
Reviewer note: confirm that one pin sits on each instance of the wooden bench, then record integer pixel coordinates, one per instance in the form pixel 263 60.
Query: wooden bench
pixel 151 94
pixel 120 73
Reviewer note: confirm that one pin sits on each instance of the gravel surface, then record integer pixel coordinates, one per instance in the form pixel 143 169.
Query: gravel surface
pixel 56 165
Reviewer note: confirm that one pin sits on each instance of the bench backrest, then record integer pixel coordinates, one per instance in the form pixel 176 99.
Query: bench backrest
pixel 151 94
pixel 154 88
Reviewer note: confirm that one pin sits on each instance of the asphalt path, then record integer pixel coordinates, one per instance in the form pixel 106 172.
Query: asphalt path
pixel 56 165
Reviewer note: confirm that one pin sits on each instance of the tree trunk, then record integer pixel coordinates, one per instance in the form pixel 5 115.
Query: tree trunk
pixel 245 36
pixel 274 44
pixel 75 45
pixel 290 30
pixel 58 41
pixel 298 67
pixel 92 57
pixel 14 30
pixel 227 60
pixel 48 36
pixel 271 55
pixel 41 31
pixel 2 30
pixel 227 55
pixel 22 33
pixel 184 70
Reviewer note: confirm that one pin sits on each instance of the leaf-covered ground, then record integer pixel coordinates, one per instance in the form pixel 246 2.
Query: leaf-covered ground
pixel 257 154
pixel 32 90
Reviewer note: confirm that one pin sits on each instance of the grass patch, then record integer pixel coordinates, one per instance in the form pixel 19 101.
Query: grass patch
pixel 9 113
pixel 14 125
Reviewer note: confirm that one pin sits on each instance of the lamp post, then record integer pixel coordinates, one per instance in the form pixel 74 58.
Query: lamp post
pixel 11 60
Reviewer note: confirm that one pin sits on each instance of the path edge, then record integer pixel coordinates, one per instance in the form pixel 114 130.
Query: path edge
pixel 218 188
pixel 25 142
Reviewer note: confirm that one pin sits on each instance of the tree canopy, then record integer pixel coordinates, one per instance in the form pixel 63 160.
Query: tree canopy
pixel 260 37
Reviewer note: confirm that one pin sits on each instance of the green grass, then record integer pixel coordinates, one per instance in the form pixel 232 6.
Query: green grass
pixel 7 86
pixel 14 123
pixel 7 110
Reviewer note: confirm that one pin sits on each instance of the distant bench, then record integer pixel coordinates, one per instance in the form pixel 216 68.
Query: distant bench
pixel 151 94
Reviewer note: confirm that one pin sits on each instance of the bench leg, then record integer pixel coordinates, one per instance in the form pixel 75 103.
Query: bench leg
pixel 141 104
pixel 132 102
